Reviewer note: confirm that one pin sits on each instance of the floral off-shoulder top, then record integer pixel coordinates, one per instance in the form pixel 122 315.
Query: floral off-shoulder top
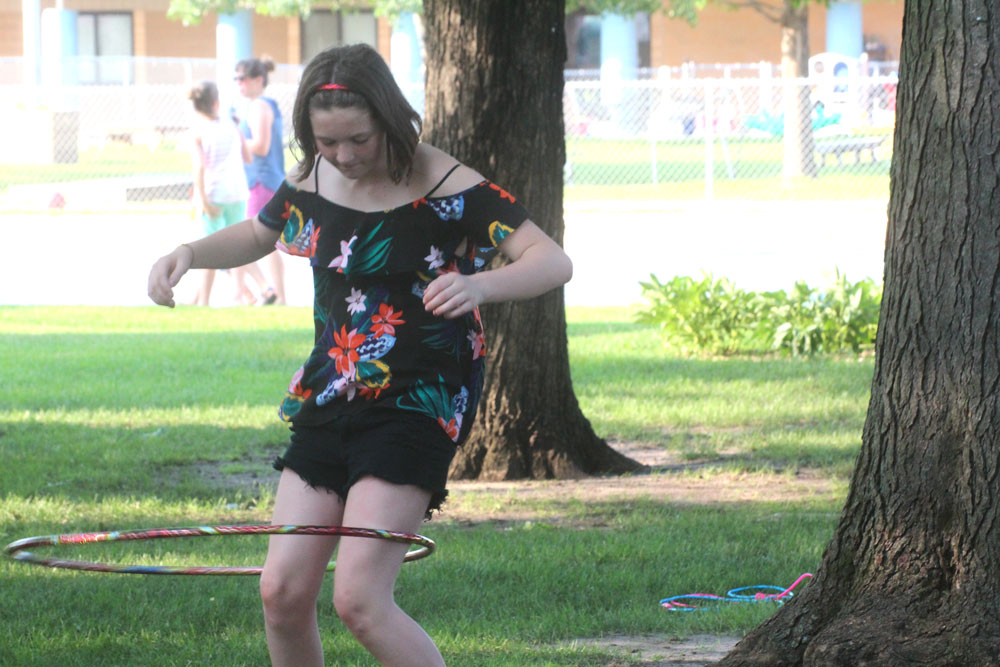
pixel 375 345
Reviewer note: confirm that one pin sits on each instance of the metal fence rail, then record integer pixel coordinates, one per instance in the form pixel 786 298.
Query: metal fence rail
pixel 660 137
pixel 729 138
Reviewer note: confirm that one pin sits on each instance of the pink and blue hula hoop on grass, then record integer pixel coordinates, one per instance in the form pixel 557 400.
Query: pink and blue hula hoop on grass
pixel 688 602
pixel 16 550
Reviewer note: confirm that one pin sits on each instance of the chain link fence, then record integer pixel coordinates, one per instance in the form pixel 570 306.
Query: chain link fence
pixel 732 132
pixel 114 145
pixel 729 138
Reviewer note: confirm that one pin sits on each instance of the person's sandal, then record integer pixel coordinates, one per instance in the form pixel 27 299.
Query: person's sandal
pixel 268 297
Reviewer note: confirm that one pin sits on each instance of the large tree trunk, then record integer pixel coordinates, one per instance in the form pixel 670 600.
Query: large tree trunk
pixel 910 576
pixel 494 100
pixel 799 147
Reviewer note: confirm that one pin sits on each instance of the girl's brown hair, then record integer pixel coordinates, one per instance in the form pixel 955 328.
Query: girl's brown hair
pixel 254 67
pixel 364 82
pixel 204 95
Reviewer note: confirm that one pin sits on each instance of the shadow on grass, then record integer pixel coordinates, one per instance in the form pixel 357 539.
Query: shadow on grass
pixel 829 446
pixel 838 375
pixel 80 461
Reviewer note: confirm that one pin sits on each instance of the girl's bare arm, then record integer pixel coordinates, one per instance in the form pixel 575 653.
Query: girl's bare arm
pixel 236 245
pixel 537 265
pixel 259 121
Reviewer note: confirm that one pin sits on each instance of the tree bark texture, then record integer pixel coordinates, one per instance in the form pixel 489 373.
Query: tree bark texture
pixel 910 576
pixel 494 101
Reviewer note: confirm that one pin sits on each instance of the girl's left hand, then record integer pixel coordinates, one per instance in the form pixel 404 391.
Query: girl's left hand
pixel 451 295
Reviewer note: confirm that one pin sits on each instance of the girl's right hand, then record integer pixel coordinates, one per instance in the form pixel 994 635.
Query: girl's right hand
pixel 166 273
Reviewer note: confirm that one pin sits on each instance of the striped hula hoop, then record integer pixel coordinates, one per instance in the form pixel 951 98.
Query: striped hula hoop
pixel 16 550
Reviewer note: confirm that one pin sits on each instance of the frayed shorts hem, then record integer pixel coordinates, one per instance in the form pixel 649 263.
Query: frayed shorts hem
pixel 406 450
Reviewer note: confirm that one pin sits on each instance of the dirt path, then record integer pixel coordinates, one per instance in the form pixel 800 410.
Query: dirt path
pixel 666 651
pixel 512 501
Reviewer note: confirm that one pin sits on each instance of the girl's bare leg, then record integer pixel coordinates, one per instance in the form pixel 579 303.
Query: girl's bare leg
pixel 293 572
pixel 243 293
pixel 205 291
pixel 367 569
pixel 276 268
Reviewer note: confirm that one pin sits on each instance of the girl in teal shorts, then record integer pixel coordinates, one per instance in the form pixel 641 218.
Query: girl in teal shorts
pixel 219 153
pixel 227 214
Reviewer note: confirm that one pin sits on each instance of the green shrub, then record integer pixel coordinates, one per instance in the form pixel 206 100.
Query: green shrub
pixel 713 316
pixel 710 315
pixel 842 318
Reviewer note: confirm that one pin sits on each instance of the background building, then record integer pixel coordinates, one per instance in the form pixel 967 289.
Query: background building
pixel 36 29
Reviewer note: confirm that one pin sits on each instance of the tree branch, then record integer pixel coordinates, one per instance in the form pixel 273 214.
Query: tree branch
pixel 769 12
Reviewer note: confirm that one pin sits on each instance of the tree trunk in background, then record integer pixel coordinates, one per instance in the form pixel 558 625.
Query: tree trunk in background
pixel 799 147
pixel 494 101
pixel 910 576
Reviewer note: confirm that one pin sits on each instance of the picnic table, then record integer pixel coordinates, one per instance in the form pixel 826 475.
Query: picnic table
pixel 856 145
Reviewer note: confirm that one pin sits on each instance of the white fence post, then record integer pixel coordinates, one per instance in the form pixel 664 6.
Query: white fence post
pixel 709 148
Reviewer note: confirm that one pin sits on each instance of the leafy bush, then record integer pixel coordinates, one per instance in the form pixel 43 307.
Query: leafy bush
pixel 843 317
pixel 713 316
pixel 709 315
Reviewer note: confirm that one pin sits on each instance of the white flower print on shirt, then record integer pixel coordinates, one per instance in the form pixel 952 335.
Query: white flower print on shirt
pixel 355 302
pixel 340 261
pixel 435 259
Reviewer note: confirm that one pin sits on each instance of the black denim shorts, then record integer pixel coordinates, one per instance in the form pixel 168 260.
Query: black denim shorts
pixel 395 446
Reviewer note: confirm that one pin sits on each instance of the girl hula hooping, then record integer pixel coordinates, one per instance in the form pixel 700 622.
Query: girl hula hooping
pixel 397 234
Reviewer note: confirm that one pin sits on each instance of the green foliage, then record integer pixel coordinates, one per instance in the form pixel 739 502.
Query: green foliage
pixel 713 316
pixel 391 9
pixel 841 318
pixel 626 7
pixel 707 315
pixel 190 12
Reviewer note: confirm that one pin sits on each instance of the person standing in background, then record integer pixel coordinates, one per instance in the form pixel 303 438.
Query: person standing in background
pixel 262 127
pixel 218 154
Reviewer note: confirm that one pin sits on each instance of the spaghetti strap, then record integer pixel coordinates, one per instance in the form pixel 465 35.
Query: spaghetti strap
pixel 441 182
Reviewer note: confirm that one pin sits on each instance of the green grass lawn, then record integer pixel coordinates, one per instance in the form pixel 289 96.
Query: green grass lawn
pixel 106 414
pixel 754 414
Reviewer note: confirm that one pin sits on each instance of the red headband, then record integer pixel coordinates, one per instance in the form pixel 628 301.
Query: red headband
pixel 331 86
